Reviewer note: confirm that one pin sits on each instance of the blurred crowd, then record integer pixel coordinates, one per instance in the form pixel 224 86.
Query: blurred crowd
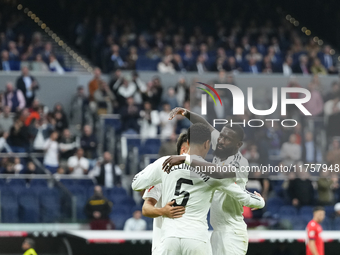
pixel 21 46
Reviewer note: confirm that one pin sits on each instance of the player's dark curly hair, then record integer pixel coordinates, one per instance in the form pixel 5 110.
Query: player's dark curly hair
pixel 199 133
pixel 182 138
pixel 237 129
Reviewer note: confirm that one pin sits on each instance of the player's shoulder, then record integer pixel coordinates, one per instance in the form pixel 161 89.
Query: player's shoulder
pixel 312 224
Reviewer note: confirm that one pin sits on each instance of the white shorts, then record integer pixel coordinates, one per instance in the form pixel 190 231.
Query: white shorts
pixel 184 246
pixel 233 242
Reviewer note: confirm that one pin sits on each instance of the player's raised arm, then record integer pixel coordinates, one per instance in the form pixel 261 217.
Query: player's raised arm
pixel 151 175
pixel 252 200
pixel 193 117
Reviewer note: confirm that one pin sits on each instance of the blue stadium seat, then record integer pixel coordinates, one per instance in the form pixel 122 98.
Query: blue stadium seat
pixel 50 205
pixel 306 212
pixel 116 191
pixel 327 224
pixel 146 64
pixel 28 207
pixel 39 182
pixel 133 142
pixel 136 208
pixel 336 223
pixel 120 210
pixel 287 212
pixel 16 182
pixel 329 209
pixel 86 183
pixel 149 222
pixel 9 206
pixel 119 220
pixel 68 183
pixel 81 199
pixel 299 223
pixel 151 146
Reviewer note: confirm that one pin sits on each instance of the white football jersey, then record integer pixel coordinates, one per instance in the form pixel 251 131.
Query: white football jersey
pixel 226 211
pixel 155 192
pixel 194 191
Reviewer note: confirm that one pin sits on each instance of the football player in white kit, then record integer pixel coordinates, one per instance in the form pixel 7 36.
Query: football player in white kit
pixel 230 231
pixel 188 235
pixel 152 206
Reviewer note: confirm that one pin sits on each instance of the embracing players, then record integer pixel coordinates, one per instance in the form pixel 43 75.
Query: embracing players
pixel 230 231
pixel 189 234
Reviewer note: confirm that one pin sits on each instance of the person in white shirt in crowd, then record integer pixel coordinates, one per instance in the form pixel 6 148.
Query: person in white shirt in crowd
pixel 55 65
pixel 67 146
pixel 77 164
pixel 51 148
pixel 6 119
pixel 39 64
pixel 166 66
pixel 291 151
pixel 28 85
pixel 167 126
pixel 136 223
pixel 42 130
pixel 17 165
pixel 287 66
pixel 106 172
pixel 149 121
pixel 4 147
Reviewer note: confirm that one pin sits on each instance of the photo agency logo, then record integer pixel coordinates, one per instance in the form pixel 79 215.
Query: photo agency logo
pixel 238 104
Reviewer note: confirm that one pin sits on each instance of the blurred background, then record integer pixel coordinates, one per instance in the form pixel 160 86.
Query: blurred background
pixel 85 92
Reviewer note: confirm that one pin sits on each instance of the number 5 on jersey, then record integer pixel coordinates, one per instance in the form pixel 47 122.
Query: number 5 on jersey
pixel 185 193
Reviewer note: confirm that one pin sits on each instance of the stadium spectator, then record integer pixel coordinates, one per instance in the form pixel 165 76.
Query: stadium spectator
pixel 302 66
pixel 200 65
pixel 17 165
pixel 4 147
pixel 28 246
pixel 13 98
pixel 130 116
pixel 326 187
pixel 9 168
pixel 6 119
pixel 166 66
pixel 337 210
pixel 327 59
pixel 317 67
pixel 149 121
pixel 168 146
pixel 79 110
pixel 18 137
pixel 94 83
pixel 98 209
pixel 300 190
pixel 115 59
pixel 107 173
pixel 252 67
pixel 31 168
pixel 54 65
pixel 28 85
pixel 61 123
pixel 104 99
pixel 312 152
pixel 40 130
pixel 181 91
pixel 170 98
pixel 51 156
pixel 290 151
pixel 315 104
pixel 88 143
pixel 287 66
pixel 132 58
pixel 136 223
pixel 125 89
pixel 333 154
pixel 167 127
pixel 67 146
pixel 39 64
pixel 178 63
pixel 5 64
pixel 77 164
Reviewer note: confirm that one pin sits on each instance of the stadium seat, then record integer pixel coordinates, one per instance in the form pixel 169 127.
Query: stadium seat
pixel 28 207
pixel 9 207
pixel 306 212
pixel 287 212
pixel 16 182
pixel 81 198
pixel 120 210
pixel 329 210
pixel 116 191
pixel 336 224
pixel 39 182
pixel 299 223
pixel 327 224
pixel 151 146
pixel 133 142
pixel 50 205
pixel 149 222
pixel 119 220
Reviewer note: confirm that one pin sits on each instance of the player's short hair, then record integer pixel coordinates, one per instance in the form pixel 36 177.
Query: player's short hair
pixel 318 208
pixel 237 129
pixel 182 138
pixel 199 133
pixel 30 242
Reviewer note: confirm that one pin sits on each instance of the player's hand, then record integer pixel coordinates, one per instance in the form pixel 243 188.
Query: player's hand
pixel 259 195
pixel 177 111
pixel 172 161
pixel 173 212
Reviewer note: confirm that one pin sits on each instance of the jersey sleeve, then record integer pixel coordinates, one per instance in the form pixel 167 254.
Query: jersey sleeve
pixel 312 231
pixel 214 136
pixel 151 175
pixel 154 192
pixel 243 196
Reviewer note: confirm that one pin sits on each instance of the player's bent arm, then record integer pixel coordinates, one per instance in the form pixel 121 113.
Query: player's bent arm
pixel 312 247
pixel 149 209
pixel 196 118
pixel 243 196
pixel 151 175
